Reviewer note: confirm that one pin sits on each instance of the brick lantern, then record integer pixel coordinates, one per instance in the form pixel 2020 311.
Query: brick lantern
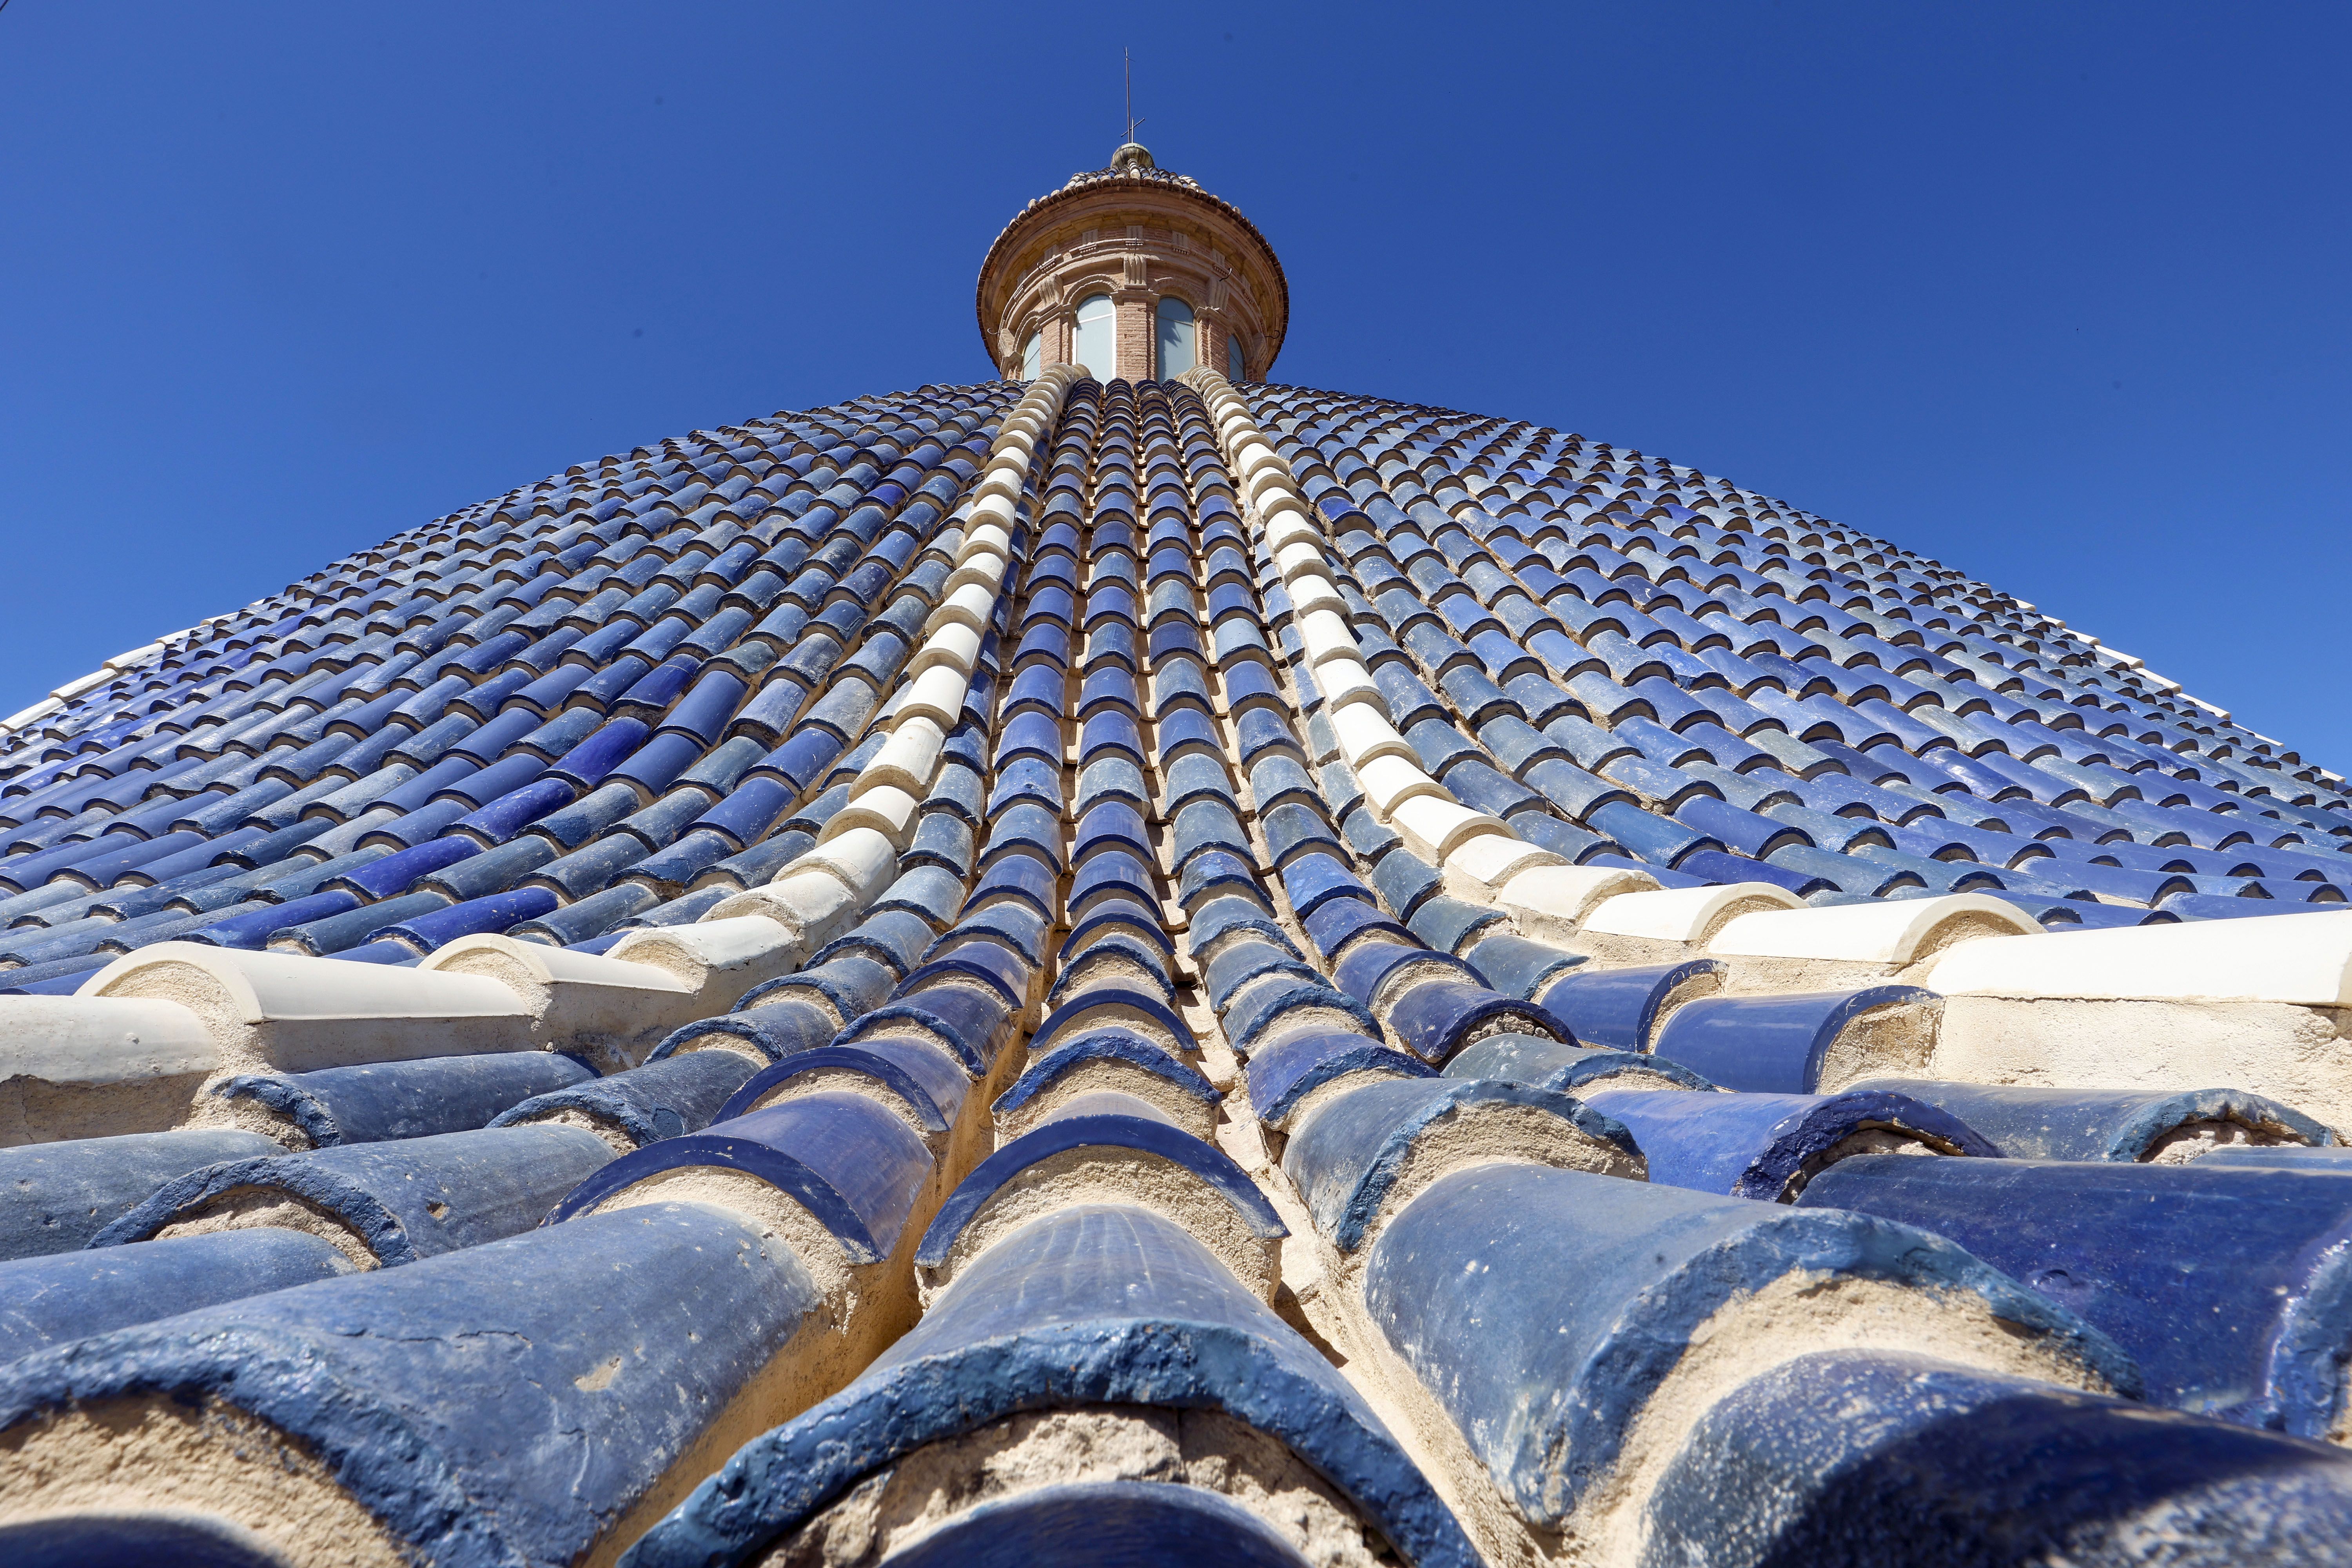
pixel 1136 273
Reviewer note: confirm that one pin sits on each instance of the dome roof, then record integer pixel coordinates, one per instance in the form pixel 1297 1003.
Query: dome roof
pixel 828 925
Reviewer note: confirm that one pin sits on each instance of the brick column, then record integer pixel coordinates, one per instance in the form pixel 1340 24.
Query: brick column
pixel 1210 331
pixel 1135 329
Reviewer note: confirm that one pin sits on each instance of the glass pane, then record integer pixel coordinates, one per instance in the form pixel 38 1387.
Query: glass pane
pixel 1233 357
pixel 1175 339
pixel 1093 348
pixel 1032 353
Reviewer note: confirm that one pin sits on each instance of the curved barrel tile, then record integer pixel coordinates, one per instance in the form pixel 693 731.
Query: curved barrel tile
pixel 1547 1311
pixel 390 1100
pixel 845 1160
pixel 1047 1321
pixel 1686 916
pixel 381 1204
pixel 1376 973
pixel 1770 1146
pixel 637 1106
pixel 1889 934
pixel 2009 1470
pixel 1115 1007
pixel 2258 1332
pixel 55 1196
pixel 384 1405
pixel 1290 1077
pixel 90 1067
pixel 760 1035
pixel 1619 1008
pixel 1364 1155
pixel 1566 1066
pixel 1802 1042
pixel 713 961
pixel 270 1010
pixel 1518 967
pixel 2169 1128
pixel 1436 1018
pixel 608 1009
pixel 54 1301
pixel 919 1081
pixel 1115 1059
pixel 1077 1158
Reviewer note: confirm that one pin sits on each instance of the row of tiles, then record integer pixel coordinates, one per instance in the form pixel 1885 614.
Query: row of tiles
pixel 1261 989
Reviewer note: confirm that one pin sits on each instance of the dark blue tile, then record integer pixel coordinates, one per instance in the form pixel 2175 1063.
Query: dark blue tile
pixel 1775 1044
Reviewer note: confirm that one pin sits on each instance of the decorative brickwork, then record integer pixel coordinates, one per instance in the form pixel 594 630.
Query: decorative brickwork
pixel 1139 234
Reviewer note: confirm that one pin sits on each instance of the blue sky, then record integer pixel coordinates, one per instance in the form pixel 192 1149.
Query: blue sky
pixel 2053 294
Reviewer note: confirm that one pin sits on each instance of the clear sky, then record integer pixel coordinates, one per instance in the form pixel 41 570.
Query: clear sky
pixel 2056 294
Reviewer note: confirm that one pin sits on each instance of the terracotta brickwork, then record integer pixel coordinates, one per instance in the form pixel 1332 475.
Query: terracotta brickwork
pixel 1139 234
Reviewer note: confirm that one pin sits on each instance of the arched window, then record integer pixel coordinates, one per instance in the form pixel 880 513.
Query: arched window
pixel 1175 355
pixel 1093 348
pixel 1233 358
pixel 1032 355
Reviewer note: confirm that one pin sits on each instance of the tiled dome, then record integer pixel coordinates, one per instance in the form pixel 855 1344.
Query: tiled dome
pixel 1162 972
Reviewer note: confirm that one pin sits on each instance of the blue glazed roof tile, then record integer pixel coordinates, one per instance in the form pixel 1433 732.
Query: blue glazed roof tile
pixel 628 711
